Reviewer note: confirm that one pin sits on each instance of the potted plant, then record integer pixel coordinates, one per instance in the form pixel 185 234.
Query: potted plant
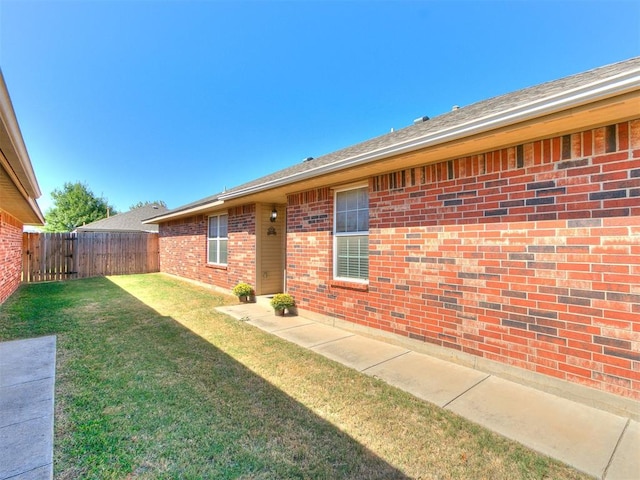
pixel 243 291
pixel 282 301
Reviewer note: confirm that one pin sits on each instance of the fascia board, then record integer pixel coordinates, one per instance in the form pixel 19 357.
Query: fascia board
pixel 38 213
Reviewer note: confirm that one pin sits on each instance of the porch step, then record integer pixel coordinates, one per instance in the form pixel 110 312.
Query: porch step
pixel 263 300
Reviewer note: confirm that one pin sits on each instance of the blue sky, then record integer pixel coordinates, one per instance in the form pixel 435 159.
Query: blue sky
pixel 174 100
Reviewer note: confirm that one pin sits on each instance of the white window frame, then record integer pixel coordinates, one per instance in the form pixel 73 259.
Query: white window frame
pixel 217 239
pixel 337 235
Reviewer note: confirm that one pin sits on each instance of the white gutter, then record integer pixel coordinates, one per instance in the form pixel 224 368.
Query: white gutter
pixel 181 213
pixel 615 85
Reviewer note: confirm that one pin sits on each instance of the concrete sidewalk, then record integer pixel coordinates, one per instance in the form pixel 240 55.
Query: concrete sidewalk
pixel 593 441
pixel 27 379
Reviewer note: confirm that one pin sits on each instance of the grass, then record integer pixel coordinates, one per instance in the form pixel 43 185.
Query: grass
pixel 153 382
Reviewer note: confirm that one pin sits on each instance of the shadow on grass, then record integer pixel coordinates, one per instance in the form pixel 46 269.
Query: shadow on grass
pixel 138 395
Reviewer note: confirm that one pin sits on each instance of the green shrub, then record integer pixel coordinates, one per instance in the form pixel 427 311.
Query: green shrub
pixel 280 301
pixel 243 289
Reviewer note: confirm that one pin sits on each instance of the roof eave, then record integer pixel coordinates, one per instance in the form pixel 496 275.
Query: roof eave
pixel 183 213
pixel 24 169
pixel 38 216
pixel 14 160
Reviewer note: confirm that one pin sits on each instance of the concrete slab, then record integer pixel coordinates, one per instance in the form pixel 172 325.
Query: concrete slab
pixel 359 352
pixel 26 401
pixel 262 316
pixel 27 360
pixel 574 433
pixel 626 460
pixel 26 446
pixel 245 310
pixel 27 381
pixel 272 323
pixel 312 334
pixel 580 436
pixel 428 378
pixel 41 473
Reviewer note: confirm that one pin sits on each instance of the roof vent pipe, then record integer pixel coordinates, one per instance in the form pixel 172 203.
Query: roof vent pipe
pixel 420 120
pixel 455 107
pixel 308 159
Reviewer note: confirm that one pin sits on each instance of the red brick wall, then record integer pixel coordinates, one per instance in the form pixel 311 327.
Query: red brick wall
pixel 183 249
pixel 242 245
pixel 10 254
pixel 529 256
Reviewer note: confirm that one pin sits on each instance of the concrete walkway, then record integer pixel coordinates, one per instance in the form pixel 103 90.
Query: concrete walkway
pixel 27 378
pixel 593 441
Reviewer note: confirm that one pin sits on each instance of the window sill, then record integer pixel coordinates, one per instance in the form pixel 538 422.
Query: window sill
pixel 216 267
pixel 357 286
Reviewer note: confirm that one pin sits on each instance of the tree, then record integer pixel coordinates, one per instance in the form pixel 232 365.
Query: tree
pixel 75 205
pixel 144 204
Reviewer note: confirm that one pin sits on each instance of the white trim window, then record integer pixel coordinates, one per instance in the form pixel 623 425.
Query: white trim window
pixel 351 235
pixel 217 239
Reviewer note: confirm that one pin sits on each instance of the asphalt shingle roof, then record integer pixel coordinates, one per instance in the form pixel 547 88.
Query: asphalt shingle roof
pixel 448 120
pixel 130 221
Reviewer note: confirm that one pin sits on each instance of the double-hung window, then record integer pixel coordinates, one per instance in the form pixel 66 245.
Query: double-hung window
pixel 217 240
pixel 351 235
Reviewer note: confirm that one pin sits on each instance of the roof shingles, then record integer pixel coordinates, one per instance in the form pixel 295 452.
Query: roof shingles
pixel 130 221
pixel 446 121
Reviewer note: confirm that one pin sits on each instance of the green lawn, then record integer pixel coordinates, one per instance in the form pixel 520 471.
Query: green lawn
pixel 152 382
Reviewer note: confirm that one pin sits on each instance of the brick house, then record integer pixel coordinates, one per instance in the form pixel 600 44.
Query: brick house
pixel 503 235
pixel 18 193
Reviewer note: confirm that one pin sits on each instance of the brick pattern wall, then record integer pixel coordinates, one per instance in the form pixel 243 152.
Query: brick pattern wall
pixel 10 254
pixel 183 249
pixel 529 256
pixel 242 245
pixel 309 247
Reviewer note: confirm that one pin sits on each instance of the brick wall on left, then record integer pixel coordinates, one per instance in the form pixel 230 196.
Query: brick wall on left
pixel 10 254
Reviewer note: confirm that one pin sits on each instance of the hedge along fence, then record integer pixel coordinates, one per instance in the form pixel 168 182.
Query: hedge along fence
pixel 63 256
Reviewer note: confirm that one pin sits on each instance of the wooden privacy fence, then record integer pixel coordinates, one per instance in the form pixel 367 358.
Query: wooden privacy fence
pixel 61 256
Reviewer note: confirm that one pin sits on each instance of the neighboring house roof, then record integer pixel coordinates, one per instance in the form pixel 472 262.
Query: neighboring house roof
pixel 18 185
pixel 130 221
pixel 481 117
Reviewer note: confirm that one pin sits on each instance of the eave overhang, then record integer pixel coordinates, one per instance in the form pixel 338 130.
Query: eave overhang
pixel 19 184
pixel 195 210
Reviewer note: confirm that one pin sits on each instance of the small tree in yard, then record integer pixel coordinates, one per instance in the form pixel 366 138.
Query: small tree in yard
pixel 75 205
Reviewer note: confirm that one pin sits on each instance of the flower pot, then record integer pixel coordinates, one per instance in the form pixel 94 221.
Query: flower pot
pixel 281 302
